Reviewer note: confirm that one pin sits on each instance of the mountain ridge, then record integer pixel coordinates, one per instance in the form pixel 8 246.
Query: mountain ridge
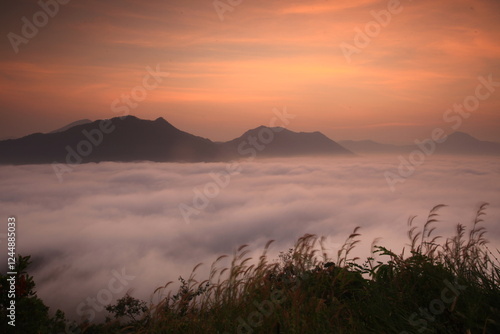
pixel 458 142
pixel 130 138
pixel 281 142
pixel 72 124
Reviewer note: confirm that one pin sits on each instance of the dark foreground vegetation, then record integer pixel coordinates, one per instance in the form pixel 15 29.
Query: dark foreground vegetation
pixel 435 285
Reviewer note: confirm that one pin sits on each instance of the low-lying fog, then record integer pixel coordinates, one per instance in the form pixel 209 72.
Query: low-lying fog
pixel 110 228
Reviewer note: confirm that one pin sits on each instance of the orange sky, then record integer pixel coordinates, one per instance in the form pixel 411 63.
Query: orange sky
pixel 227 76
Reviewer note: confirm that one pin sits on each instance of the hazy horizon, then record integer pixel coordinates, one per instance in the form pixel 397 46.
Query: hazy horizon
pixel 400 143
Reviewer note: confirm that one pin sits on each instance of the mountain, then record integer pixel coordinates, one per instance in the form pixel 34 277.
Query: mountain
pixel 133 139
pixel 458 143
pixel 463 143
pixel 280 142
pixel 69 126
pixel 370 147
pixel 127 139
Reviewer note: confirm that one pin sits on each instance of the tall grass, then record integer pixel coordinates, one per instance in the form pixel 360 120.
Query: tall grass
pixel 441 285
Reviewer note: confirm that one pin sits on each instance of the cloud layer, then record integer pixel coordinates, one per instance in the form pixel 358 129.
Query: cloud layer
pixel 109 217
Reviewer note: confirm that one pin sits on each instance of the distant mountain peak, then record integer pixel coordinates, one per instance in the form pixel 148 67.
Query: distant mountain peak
pixel 260 127
pixel 72 124
pixel 463 143
pixel 280 141
pixel 459 134
pixel 128 118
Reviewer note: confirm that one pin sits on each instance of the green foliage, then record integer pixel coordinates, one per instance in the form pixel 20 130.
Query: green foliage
pixel 128 307
pixel 450 286
pixel 32 315
pixel 447 287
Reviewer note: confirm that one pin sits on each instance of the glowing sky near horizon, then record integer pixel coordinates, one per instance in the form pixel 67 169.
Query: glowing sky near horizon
pixel 226 76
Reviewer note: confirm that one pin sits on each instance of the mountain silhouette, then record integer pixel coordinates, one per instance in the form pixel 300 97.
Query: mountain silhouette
pixel 281 142
pixel 463 143
pixel 370 147
pixel 458 143
pixel 126 139
pixel 70 125
pixel 132 139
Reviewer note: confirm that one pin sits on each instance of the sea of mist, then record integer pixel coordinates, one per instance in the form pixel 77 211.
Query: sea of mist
pixel 111 218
